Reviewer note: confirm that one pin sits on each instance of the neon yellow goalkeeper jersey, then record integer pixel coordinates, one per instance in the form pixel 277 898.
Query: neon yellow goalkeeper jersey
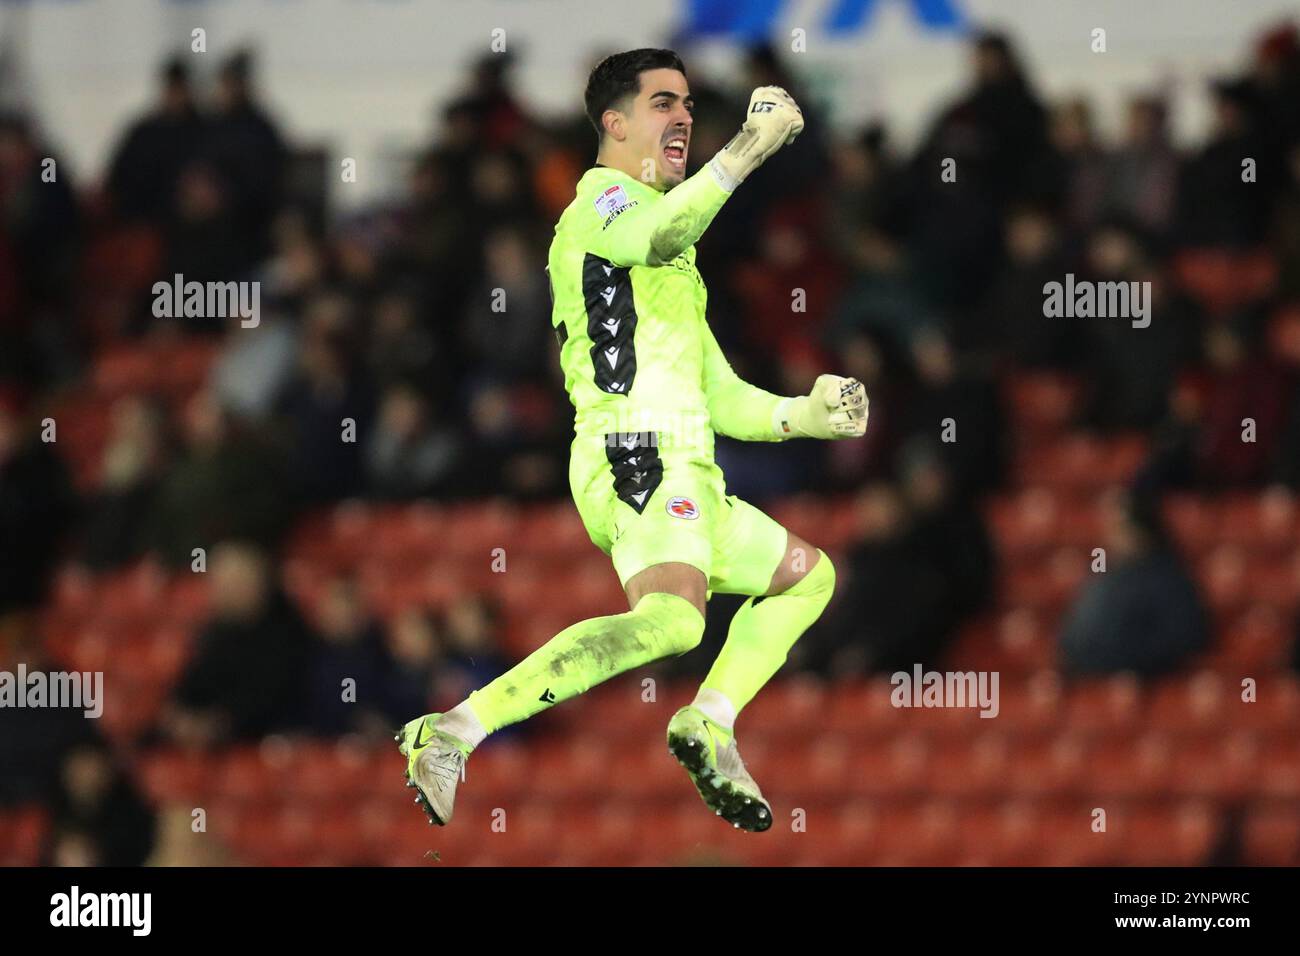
pixel 635 347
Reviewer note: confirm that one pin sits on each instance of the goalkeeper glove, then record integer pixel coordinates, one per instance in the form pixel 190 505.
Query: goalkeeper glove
pixel 835 408
pixel 774 120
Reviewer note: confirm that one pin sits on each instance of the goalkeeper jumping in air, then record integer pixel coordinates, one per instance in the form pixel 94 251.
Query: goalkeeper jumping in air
pixel 650 387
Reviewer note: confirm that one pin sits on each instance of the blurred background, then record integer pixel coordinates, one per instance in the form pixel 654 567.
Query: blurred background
pixel 376 560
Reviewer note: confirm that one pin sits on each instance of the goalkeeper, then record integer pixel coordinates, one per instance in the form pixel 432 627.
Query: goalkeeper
pixel 650 387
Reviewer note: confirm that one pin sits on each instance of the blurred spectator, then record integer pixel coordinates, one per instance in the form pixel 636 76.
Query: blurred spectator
pixel 296 268
pixel 922 564
pixel 146 166
pixel 401 349
pixel 75 847
pixel 36 506
pixel 896 607
pixel 350 648
pixel 226 484
pixel 437 245
pixel 867 181
pixel 974 457
pixel 1275 82
pixel 415 649
pixel 877 361
pixel 788 264
pixel 472 658
pixel 249 674
pixel 135 460
pixel 502 120
pixel 39 219
pixel 949 528
pixel 178 845
pixel 255 367
pixel 517 444
pixel 356 253
pixel 1143 175
pixel 1243 389
pixel 1227 424
pixel 329 391
pixel 499 192
pixel 1286 228
pixel 409 455
pixel 98 801
pixel 247 148
pixel 1082 163
pixel 1284 337
pixel 34 740
pixel 883 293
pixel 1143 614
pixel 1130 369
pixel 1011 324
pixel 508 318
pixel 1216 207
pixel 204 240
pixel 996 135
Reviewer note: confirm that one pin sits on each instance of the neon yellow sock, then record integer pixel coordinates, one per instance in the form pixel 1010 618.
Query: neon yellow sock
pixel 587 653
pixel 764 630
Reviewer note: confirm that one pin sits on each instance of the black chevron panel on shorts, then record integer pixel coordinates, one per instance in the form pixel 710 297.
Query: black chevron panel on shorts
pixel 638 469
pixel 611 323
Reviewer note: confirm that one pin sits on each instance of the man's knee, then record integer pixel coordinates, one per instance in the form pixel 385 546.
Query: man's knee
pixel 803 563
pixel 678 623
pixel 672 577
pixel 820 579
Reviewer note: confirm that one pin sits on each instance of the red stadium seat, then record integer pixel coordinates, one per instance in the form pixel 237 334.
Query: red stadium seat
pixel 1253 641
pixel 1081 462
pixel 969 769
pixel 1139 766
pixel 899 767
pixel 1219 769
pixel 1279 767
pixel 1272 835
pixel 22 835
pixel 1109 704
pixel 1268 523
pixel 1223 280
pixel 578 765
pixel 1189 704
pixel 860 709
pixel 1041 402
pixel 794 702
pixel 1161 834
pixel 1047 766
pixel 1030 706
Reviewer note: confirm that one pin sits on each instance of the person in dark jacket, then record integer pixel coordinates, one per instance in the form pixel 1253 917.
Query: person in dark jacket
pixel 248 677
pixel 98 800
pixel 146 166
pixel 1142 614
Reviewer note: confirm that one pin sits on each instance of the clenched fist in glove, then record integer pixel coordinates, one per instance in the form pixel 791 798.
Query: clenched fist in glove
pixel 835 408
pixel 774 120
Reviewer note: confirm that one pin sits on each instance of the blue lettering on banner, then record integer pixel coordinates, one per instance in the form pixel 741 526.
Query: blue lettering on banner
pixel 756 19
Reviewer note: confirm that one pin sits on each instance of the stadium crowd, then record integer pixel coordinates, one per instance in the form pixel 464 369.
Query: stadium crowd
pixel 930 291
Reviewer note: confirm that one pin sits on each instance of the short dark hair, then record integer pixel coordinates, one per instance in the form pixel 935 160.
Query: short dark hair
pixel 618 76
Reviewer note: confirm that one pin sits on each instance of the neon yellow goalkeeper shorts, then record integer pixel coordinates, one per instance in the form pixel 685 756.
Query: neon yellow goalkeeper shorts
pixel 644 508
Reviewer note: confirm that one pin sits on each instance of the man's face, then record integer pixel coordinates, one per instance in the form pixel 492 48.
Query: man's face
pixel 658 128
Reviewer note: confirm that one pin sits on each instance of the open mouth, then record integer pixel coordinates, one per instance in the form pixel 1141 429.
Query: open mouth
pixel 675 153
